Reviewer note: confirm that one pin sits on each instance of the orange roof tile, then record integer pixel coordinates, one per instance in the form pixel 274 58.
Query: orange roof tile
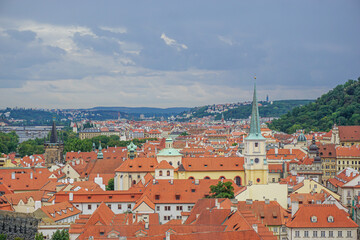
pixel 302 218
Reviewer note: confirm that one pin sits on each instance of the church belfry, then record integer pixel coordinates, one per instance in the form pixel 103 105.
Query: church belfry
pixel 54 148
pixel 255 163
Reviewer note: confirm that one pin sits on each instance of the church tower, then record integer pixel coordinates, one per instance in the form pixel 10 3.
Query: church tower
pixel 255 163
pixel 54 148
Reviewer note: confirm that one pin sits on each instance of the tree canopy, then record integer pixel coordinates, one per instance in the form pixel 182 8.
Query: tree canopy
pixel 340 105
pixel 222 190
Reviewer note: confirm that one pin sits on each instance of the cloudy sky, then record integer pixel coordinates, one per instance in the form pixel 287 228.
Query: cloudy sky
pixel 75 54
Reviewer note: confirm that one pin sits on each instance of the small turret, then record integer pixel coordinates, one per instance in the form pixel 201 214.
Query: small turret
pixel 100 155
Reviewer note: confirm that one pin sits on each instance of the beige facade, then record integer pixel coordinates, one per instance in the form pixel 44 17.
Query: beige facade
pixel 272 191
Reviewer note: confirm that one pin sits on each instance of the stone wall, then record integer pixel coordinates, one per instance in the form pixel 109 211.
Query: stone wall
pixel 18 225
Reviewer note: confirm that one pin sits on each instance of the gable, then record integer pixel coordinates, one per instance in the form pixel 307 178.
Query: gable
pixel 143 207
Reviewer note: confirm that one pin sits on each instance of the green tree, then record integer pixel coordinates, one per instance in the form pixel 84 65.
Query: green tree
pixel 39 236
pixel 110 186
pixel 60 235
pixel 222 190
pixel 3 236
pixel 18 238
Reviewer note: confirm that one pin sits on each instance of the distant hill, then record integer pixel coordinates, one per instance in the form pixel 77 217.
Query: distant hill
pixel 142 110
pixel 340 105
pixel 266 109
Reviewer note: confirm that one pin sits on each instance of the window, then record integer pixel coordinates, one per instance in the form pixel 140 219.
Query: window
pixel 339 233
pixel 157 197
pixel 275 230
pixel 129 206
pixel 313 219
pixel 297 233
pixel 179 208
pixel 314 233
pixel 160 173
pixel 306 233
pixel 256 160
pixel 322 233
pixel 89 207
pixel 166 218
pixel 167 208
pixel 119 206
pixel 331 234
pixel 258 180
pixel 168 173
pixel 189 208
pixel 178 217
pixel 330 219
pixel 109 206
pixel 256 144
pixel 348 234
pixel 157 208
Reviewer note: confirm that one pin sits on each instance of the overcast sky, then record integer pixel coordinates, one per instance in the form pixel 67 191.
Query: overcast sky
pixel 75 54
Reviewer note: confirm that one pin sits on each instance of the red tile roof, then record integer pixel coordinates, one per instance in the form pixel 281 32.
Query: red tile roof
pixel 349 133
pixel 213 164
pixel 302 218
pixel 60 211
pixel 353 151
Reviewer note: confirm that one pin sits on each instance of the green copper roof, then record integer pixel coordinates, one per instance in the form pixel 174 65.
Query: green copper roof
pixel 169 152
pixel 255 129
pixel 131 147
pixel 100 155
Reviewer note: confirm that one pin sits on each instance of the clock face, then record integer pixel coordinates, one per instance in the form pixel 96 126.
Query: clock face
pixel 256 160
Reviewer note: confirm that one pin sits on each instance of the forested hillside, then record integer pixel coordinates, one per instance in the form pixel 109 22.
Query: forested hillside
pixel 340 105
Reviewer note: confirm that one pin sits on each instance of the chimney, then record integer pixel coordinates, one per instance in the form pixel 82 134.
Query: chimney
pixel 255 227
pixel 276 150
pixel 31 175
pixel 196 181
pixel 171 181
pixel 71 196
pixel 294 208
pixel 167 234
pixel 13 175
pixel 267 201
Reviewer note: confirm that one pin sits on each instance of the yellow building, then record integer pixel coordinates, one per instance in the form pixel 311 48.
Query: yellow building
pixel 256 166
pixel 309 185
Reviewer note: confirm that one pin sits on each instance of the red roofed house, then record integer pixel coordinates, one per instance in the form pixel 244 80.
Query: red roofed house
pixel 321 221
pixel 345 135
pixel 348 156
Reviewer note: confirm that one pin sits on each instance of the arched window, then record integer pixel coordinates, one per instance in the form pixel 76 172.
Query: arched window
pixel 258 180
pixel 256 160
pixel 238 181
pixel 168 173
pixel 206 177
pixel 160 173
pixel 222 178
pixel 191 178
pixel 134 182
pixel 170 163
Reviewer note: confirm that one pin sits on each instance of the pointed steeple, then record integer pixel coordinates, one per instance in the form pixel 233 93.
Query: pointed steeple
pixel 100 155
pixel 53 135
pixel 255 129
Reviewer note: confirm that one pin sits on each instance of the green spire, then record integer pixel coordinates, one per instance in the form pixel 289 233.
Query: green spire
pixel 100 155
pixel 255 129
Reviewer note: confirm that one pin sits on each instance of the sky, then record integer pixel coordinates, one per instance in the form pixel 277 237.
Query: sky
pixel 147 53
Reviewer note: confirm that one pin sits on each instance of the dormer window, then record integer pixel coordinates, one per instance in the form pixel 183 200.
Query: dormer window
pixel 313 219
pixel 330 219
pixel 157 196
